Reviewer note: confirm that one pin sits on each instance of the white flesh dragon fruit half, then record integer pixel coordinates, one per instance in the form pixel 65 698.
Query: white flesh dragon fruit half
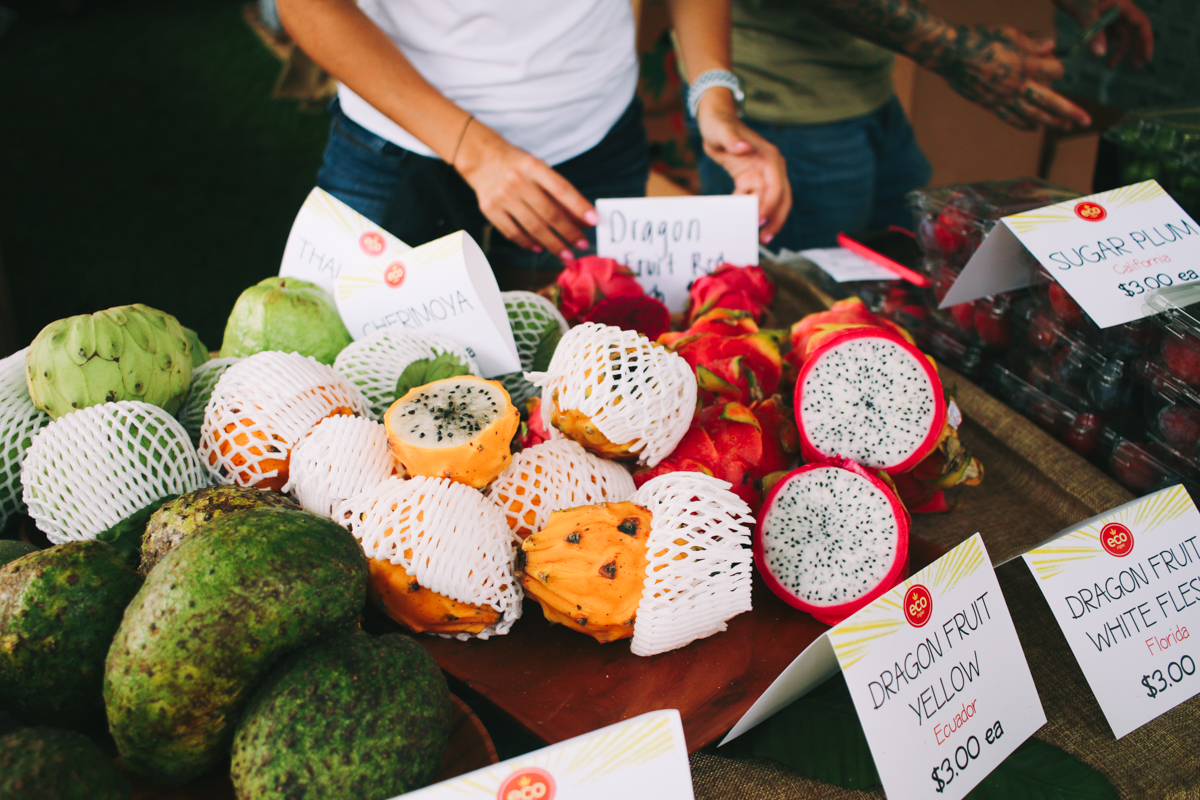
pixel 831 538
pixel 869 396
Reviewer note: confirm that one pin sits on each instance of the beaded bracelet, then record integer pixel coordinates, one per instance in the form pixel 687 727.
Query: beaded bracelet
pixel 707 80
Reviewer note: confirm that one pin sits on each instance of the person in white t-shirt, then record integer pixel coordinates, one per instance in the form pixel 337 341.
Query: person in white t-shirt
pixel 517 112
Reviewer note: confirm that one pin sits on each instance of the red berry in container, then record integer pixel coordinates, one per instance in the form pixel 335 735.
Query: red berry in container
pixel 1084 435
pixel 1181 355
pixel 1180 426
pixel 1065 307
pixel 963 315
pixel 993 323
pixel 1043 331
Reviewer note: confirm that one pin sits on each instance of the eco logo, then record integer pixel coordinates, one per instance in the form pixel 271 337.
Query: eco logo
pixel 529 783
pixel 393 276
pixel 1116 539
pixel 371 243
pixel 918 606
pixel 1090 212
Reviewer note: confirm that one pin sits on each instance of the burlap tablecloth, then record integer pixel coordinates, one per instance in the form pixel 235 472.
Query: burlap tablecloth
pixel 1034 487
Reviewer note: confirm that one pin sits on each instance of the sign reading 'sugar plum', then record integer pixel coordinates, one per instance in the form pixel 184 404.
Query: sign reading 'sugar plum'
pixel 668 242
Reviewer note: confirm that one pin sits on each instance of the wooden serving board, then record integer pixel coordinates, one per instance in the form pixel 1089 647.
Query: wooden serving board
pixel 558 683
pixel 470 748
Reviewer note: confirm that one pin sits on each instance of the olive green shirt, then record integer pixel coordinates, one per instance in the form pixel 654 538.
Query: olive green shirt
pixel 796 68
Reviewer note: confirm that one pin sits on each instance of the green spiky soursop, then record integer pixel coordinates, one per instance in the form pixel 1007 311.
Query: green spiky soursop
pixel 354 716
pixel 537 327
pixel 285 314
pixel 183 516
pixel 55 764
pixel 59 610
pixel 124 353
pixel 211 619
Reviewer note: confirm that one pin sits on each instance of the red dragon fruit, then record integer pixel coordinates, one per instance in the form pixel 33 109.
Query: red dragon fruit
pixel 815 328
pixel 868 395
pixel 831 537
pixel 642 313
pixel 731 287
pixel 736 443
pixel 589 280
pixel 733 360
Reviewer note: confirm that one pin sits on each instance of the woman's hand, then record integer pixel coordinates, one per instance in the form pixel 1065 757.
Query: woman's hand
pixel 755 164
pixel 525 199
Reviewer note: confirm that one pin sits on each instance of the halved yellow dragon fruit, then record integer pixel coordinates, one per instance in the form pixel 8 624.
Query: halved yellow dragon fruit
pixel 617 393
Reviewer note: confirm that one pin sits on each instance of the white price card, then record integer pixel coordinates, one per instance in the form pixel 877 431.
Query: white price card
pixel 936 673
pixel 445 286
pixel 329 236
pixel 844 266
pixel 641 757
pixel 668 242
pixel 1125 589
pixel 1109 251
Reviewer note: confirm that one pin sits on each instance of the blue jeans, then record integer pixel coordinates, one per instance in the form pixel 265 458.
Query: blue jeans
pixel 847 176
pixel 420 199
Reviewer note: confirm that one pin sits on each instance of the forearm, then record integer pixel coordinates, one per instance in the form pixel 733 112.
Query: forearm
pixel 352 48
pixel 903 26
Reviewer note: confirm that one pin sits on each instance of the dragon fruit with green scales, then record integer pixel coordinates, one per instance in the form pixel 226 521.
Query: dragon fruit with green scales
pixel 831 537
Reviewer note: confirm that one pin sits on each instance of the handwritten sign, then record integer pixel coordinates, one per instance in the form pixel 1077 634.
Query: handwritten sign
pixel 445 286
pixel 936 673
pixel 1125 589
pixel 641 757
pixel 1109 251
pixel 329 236
pixel 668 242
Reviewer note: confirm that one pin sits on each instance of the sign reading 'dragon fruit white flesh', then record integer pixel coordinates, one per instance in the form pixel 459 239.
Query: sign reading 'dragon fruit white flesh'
pixel 1109 251
pixel 642 757
pixel 445 286
pixel 937 676
pixel 668 242
pixel 1125 589
pixel 329 236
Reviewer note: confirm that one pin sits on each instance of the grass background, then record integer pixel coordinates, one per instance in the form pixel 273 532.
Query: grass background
pixel 143 159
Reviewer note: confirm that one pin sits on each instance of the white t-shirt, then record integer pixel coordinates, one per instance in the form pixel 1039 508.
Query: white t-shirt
pixel 550 76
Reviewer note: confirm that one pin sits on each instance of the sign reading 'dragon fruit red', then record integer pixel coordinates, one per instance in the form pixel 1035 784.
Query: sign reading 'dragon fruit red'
pixel 1125 589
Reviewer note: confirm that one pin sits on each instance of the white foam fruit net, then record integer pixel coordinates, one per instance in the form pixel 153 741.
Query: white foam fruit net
pixel 20 419
pixel 340 458
pixel 528 315
pixel 374 363
pixel 699 574
pixel 92 468
pixel 632 389
pixel 552 476
pixel 204 380
pixel 259 410
pixel 447 536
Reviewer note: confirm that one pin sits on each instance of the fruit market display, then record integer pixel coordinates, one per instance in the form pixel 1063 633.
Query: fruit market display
pixel 624 506
pixel 285 314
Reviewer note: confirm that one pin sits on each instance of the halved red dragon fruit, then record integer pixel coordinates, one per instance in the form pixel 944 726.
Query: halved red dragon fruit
pixel 868 395
pixel 831 538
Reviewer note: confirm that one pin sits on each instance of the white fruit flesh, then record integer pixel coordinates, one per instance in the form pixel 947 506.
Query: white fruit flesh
pixel 869 400
pixel 447 416
pixel 829 536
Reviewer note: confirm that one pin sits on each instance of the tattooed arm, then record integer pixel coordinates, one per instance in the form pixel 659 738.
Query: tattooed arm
pixel 998 68
pixel 1130 30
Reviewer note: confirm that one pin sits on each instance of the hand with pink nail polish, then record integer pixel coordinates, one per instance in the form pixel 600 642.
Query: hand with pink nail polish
pixel 527 201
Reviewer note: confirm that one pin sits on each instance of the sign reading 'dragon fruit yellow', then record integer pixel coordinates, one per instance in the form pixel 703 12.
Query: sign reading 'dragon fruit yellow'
pixel 329 236
pixel 936 673
pixel 1109 251
pixel 445 286
pixel 642 757
pixel 1125 589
